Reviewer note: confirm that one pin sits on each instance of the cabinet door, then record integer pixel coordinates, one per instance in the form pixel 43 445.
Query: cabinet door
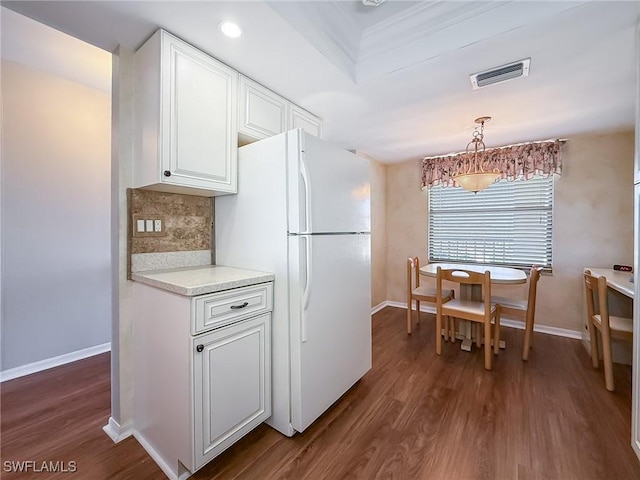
pixel 199 128
pixel 262 113
pixel 300 118
pixel 232 380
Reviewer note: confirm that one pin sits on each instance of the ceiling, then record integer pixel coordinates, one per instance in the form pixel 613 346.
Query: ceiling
pixel 392 81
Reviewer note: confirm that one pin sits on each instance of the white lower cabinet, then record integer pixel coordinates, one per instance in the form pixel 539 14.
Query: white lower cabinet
pixel 198 390
pixel 232 375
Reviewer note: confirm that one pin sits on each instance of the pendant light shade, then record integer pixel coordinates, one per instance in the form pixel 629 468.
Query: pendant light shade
pixel 476 181
pixel 475 178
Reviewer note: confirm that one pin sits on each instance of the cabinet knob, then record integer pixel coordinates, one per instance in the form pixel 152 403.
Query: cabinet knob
pixel 167 173
pixel 200 347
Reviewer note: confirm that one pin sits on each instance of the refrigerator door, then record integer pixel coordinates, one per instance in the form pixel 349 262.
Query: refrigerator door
pixel 328 187
pixel 330 320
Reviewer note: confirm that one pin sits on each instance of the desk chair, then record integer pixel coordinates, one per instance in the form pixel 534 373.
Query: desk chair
pixel 424 294
pixel 524 310
pixel 609 326
pixel 475 311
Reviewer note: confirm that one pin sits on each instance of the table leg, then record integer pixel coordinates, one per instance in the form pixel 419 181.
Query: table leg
pixel 469 292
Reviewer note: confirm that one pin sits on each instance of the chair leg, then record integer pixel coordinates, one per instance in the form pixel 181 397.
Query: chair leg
pixel 417 312
pixel 528 333
pixel 487 345
pixel 445 324
pixel 409 314
pixel 608 361
pixel 452 325
pixel 478 335
pixel 438 333
pixel 496 334
pixel 593 338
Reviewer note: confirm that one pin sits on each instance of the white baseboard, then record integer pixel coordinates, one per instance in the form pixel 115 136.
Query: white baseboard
pixel 116 432
pixel 53 362
pixel 505 321
pixel 378 307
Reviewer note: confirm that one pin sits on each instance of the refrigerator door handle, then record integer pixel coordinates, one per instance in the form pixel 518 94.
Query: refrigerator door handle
pixel 307 287
pixel 305 197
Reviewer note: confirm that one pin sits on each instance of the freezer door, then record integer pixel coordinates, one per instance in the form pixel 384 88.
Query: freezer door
pixel 328 187
pixel 330 320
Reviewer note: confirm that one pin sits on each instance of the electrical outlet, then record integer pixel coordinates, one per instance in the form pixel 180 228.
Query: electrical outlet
pixel 148 225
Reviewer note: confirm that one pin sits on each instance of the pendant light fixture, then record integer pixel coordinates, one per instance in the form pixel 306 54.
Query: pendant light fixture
pixel 475 178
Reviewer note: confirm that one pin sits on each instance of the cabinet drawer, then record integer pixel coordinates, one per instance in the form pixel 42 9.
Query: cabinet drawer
pixel 222 308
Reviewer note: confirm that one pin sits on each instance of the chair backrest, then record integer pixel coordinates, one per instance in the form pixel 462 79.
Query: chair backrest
pixel 413 273
pixel 468 277
pixel 534 276
pixel 596 287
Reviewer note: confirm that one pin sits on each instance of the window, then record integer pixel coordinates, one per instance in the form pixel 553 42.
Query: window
pixel 509 223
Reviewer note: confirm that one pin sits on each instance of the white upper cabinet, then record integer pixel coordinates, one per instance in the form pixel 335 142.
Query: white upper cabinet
pixel 300 118
pixel 185 118
pixel 262 113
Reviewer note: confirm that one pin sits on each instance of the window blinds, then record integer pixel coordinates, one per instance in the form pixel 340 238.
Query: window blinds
pixel 510 224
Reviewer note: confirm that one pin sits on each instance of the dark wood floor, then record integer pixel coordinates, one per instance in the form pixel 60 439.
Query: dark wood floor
pixel 415 415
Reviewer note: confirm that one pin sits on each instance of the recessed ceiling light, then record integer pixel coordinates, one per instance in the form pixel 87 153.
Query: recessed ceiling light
pixel 230 29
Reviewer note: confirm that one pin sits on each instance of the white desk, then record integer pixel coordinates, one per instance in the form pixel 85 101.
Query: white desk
pixel 499 276
pixel 616 280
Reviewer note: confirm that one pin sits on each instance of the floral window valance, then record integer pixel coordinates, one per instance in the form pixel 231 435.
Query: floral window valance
pixel 513 162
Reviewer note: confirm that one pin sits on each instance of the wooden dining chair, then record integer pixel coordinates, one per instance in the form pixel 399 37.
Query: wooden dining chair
pixel 523 310
pixel 608 325
pixel 424 294
pixel 475 311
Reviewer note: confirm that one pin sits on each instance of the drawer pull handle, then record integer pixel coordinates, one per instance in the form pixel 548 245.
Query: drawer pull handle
pixel 238 307
pixel 200 347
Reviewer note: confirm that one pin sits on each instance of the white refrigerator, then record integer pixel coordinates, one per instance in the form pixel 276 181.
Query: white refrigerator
pixel 303 212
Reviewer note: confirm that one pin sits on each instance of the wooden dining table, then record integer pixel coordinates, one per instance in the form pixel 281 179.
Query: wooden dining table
pixel 499 276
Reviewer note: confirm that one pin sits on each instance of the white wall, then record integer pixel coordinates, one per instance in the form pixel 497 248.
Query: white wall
pixel 56 278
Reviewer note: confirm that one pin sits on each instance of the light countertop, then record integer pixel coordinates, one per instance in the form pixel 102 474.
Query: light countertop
pixel 192 281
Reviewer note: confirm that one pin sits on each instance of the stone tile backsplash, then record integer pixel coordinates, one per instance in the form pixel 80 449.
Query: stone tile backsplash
pixel 187 221
pixel 187 236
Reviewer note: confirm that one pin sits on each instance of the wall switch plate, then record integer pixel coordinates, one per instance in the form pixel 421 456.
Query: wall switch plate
pixel 148 225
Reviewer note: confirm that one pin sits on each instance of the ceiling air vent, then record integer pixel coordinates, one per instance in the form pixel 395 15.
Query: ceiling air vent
pixel 500 74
